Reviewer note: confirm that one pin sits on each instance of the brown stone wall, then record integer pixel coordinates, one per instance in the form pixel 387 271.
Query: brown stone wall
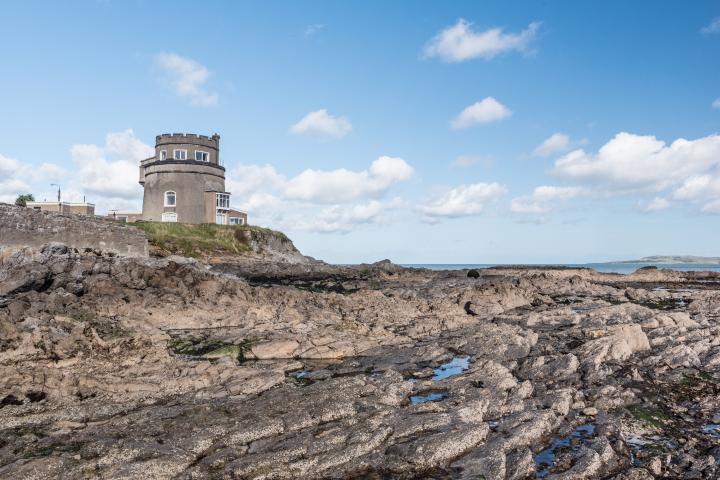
pixel 25 227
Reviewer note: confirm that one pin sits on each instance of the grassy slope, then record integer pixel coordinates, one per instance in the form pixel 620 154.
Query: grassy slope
pixel 205 239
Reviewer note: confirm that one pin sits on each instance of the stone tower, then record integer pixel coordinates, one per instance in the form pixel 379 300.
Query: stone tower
pixel 185 181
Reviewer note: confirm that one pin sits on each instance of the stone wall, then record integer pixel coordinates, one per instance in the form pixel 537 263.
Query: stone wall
pixel 24 227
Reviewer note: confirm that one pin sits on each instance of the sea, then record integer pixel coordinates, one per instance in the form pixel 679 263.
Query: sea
pixel 610 267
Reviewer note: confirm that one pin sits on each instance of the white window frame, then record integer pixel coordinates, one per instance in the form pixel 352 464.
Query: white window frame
pixel 222 201
pixel 237 221
pixel 169 217
pixel 165 198
pixel 175 151
pixel 224 216
pixel 207 155
pixel 163 155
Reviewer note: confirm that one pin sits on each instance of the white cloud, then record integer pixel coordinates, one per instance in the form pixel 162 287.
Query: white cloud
pixel 248 179
pixel 187 78
pixel 682 172
pixel 557 142
pixel 485 111
pixel 11 184
pixel 716 103
pixel 698 187
pixel 461 201
pixel 317 200
pixel 713 27
pixel 343 219
pixel 10 188
pixel 342 185
pixel 111 171
pixel 8 167
pixel 657 204
pixel 322 124
pixel 459 42
pixel 712 207
pixel 701 190
pixel 49 172
pixel 631 161
pixel 543 198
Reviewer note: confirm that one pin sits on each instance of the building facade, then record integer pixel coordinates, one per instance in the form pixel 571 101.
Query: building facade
pixel 63 207
pixel 185 182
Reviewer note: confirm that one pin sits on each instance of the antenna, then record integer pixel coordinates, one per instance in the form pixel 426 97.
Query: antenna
pixel 56 185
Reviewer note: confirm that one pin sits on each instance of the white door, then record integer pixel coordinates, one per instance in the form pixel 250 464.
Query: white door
pixel 221 219
pixel 169 217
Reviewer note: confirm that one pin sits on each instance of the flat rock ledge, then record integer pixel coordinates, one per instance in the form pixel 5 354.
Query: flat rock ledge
pixel 116 367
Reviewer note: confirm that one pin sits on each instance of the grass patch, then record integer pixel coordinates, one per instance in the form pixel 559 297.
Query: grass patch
pixel 206 239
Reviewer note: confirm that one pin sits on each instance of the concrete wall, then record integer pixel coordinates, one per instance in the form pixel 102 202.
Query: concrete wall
pixel 210 209
pixel 25 227
pixel 64 207
pixel 79 209
pixel 189 142
pixel 189 180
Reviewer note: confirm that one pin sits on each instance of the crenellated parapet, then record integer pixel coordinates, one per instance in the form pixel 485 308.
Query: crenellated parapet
pixel 188 139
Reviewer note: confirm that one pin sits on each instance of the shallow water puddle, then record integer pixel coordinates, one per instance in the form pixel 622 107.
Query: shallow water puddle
pixel 545 459
pixel 429 397
pixel 455 367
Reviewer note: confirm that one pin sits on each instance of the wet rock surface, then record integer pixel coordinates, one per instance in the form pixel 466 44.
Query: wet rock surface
pixel 167 368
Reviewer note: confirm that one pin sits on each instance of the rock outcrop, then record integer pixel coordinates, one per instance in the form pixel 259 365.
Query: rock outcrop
pixel 22 227
pixel 117 367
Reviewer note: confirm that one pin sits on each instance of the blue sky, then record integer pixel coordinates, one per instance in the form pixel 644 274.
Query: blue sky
pixel 412 131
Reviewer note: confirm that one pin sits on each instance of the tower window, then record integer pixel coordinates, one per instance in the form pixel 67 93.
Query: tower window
pixel 170 199
pixel 163 154
pixel 180 154
pixel 201 156
pixel 222 200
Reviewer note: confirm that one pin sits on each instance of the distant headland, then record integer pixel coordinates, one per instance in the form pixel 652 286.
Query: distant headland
pixel 674 259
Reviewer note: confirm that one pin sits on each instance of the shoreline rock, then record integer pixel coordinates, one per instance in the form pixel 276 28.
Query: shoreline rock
pixel 165 368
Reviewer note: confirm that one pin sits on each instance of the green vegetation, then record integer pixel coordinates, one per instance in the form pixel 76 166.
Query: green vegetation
pixel 211 349
pixel 649 416
pixel 21 200
pixel 205 239
pixel 107 328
